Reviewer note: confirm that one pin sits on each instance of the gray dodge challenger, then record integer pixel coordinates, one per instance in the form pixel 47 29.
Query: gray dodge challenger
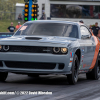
pixel 50 47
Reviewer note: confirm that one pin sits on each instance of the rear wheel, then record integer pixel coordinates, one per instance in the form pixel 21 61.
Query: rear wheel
pixel 73 78
pixel 3 76
pixel 95 73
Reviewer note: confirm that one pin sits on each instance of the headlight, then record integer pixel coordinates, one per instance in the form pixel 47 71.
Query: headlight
pixel 56 49
pixel 64 50
pixel 0 47
pixel 5 47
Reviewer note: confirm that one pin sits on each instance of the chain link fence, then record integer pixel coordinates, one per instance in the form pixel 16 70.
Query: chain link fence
pixel 11 16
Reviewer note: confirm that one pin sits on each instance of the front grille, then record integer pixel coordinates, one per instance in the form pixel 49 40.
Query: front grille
pixel 30 49
pixel 30 65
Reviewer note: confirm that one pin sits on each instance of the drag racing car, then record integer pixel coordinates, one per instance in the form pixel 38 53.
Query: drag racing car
pixel 50 47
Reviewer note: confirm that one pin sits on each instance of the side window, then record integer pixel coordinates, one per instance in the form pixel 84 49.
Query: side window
pixel 71 31
pixel 85 31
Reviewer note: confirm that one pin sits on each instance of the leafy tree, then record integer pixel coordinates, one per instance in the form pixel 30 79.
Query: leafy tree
pixel 7 8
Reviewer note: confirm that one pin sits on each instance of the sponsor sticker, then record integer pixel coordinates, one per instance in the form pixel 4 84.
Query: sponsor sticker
pixel 82 56
pixel 84 65
pixel 71 59
pixel 80 67
pixel 82 49
pixel 72 54
pixel 23 28
pixel 70 64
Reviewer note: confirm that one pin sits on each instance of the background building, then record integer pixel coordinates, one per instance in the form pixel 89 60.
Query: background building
pixel 74 10
pixel 19 10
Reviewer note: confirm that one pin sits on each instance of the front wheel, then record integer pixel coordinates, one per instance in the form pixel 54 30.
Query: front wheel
pixel 3 76
pixel 73 78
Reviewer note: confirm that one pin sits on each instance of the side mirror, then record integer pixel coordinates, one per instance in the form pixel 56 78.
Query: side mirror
pixel 85 37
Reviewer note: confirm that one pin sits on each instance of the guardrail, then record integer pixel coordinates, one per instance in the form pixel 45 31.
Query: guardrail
pixel 5 34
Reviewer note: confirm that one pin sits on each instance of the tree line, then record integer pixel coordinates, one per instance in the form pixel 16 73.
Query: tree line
pixel 7 9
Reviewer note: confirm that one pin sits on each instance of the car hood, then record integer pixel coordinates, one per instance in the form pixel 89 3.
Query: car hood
pixel 31 40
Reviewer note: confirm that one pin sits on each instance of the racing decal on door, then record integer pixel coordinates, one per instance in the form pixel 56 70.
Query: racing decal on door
pixel 85 65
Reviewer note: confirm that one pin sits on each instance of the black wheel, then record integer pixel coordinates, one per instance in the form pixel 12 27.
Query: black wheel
pixel 33 75
pixel 3 76
pixel 73 78
pixel 95 73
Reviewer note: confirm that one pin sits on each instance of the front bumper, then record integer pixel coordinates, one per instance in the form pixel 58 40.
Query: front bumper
pixel 35 58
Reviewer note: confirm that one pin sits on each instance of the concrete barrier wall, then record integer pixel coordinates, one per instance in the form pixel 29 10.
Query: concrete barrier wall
pixel 5 34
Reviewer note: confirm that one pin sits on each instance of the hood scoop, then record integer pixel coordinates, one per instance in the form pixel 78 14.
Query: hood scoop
pixel 33 38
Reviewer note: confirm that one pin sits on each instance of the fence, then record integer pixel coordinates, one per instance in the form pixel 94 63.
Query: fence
pixel 13 16
pixel 10 16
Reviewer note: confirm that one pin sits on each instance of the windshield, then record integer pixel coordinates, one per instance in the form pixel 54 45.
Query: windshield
pixel 48 29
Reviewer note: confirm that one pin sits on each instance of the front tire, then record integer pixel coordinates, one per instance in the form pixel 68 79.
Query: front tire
pixel 94 74
pixel 3 76
pixel 73 78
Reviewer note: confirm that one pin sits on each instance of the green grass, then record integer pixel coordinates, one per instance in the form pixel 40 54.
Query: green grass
pixel 4 24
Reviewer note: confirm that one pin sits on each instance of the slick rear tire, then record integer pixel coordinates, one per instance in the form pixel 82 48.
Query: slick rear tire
pixel 3 76
pixel 94 74
pixel 73 78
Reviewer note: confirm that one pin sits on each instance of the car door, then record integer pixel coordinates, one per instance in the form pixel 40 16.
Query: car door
pixel 88 47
